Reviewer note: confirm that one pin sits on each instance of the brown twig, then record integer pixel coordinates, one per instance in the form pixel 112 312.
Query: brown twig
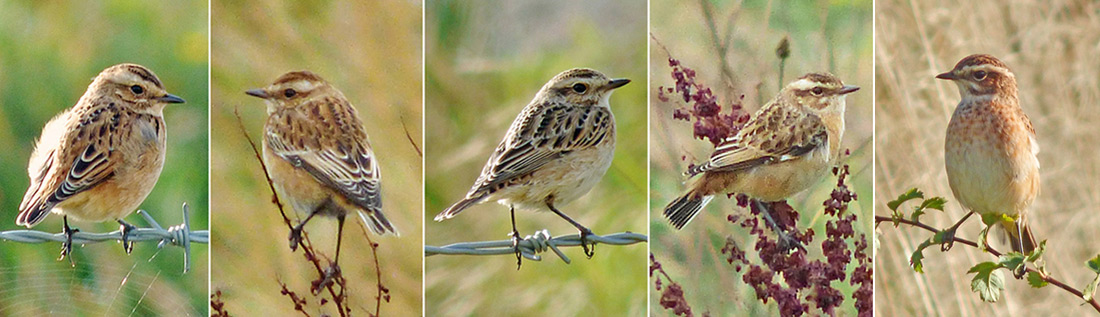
pixel 304 243
pixel 1046 277
pixel 409 136
pixel 383 292
pixel 217 305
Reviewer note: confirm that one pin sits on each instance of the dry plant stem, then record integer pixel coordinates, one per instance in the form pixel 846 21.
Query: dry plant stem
pixel 377 273
pixel 409 136
pixel 304 243
pixel 720 46
pixel 1048 278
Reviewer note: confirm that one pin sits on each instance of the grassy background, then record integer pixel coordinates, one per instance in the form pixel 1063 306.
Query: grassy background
pixel 1051 47
pixel 833 37
pixel 49 52
pixel 371 52
pixel 485 60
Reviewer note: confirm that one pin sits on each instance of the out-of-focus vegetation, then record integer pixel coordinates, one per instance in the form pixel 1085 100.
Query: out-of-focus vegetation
pixel 824 36
pixel 485 60
pixel 370 50
pixel 49 52
pixel 1051 47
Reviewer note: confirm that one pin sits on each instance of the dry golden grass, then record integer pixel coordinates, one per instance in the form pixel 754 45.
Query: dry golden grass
pixel 371 52
pixel 1052 48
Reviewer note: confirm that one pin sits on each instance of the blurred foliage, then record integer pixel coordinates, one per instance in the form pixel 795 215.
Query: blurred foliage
pixel 49 52
pixel 1051 47
pixel 370 50
pixel 833 36
pixel 485 61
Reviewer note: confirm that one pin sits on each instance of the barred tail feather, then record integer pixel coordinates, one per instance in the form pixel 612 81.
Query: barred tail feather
pixel 377 222
pixel 458 207
pixel 680 211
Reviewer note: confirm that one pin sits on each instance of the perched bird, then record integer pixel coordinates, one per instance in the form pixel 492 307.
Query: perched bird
pixel 98 160
pixel 318 156
pixel 556 150
pixel 787 146
pixel 990 148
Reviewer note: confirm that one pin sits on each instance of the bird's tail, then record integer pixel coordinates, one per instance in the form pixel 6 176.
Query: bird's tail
pixel 450 212
pixel 377 222
pixel 1019 235
pixel 680 211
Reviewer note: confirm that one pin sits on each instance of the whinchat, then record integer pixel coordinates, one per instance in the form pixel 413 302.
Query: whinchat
pixel 98 160
pixel 556 150
pixel 317 154
pixel 786 147
pixel 990 150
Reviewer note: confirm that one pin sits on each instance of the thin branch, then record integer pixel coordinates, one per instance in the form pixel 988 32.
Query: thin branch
pixel 1046 277
pixel 532 245
pixel 409 136
pixel 178 235
pixel 304 243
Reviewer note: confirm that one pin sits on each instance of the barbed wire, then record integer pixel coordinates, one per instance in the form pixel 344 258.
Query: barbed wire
pixel 532 245
pixel 178 235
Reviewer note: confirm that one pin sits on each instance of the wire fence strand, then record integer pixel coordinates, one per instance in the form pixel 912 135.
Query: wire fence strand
pixel 178 235
pixel 532 245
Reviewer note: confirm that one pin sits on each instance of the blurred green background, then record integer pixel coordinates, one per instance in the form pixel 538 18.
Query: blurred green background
pixel 833 36
pixel 49 52
pixel 485 60
pixel 369 50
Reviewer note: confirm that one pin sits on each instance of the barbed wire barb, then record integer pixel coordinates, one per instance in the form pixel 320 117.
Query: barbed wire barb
pixel 532 245
pixel 178 235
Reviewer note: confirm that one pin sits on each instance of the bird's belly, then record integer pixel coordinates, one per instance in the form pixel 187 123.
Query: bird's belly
pixel 986 178
pixel 300 190
pixel 779 181
pixel 133 180
pixel 565 180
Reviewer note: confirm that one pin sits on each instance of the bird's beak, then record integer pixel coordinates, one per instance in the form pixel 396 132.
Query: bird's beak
pixel 616 83
pixel 260 93
pixel 170 98
pixel 847 90
pixel 947 76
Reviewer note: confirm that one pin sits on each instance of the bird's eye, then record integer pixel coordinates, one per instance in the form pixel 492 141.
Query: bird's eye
pixel 817 91
pixel 137 90
pixel 979 75
pixel 289 93
pixel 580 88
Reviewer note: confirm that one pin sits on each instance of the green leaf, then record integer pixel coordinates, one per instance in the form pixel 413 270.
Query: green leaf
pixel 913 193
pixel 1093 264
pixel 1090 290
pixel 1036 280
pixel 917 260
pixel 936 203
pixel 1038 252
pixel 988 282
pixel 1012 260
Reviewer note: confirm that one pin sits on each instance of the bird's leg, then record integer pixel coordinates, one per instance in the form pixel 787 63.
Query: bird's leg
pixel 516 239
pixel 67 246
pixel 584 231
pixel 785 241
pixel 296 232
pixel 949 233
pixel 126 228
pixel 333 270
pixel 1019 272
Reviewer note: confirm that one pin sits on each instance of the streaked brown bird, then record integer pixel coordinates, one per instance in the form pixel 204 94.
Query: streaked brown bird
pixel 317 154
pixel 98 160
pixel 555 151
pixel 990 149
pixel 787 146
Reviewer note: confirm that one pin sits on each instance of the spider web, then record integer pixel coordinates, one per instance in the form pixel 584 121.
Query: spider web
pixel 106 288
